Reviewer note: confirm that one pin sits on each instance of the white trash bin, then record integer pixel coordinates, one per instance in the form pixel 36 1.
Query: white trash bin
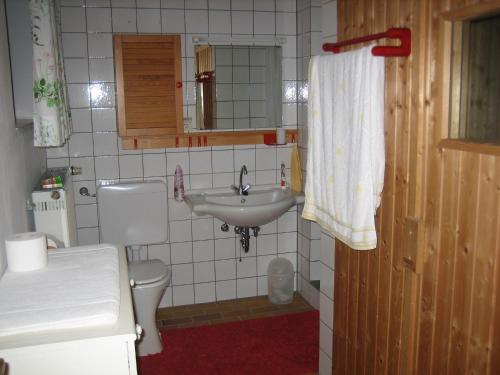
pixel 280 281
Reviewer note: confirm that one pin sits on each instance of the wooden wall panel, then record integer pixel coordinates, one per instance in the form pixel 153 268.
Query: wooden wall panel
pixel 340 314
pixel 464 263
pixel 482 285
pixel 443 316
pixel 449 192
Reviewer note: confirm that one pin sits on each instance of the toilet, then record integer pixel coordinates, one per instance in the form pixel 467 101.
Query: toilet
pixel 135 214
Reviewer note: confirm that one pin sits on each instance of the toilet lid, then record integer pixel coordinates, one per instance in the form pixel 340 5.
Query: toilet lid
pixel 148 271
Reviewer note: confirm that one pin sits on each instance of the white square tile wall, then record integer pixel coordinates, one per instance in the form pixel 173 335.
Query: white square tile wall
pixel 306 17
pixel 327 243
pixel 316 24
pixel 204 260
pixel 243 90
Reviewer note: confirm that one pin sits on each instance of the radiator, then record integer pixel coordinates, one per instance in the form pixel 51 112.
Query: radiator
pixel 54 208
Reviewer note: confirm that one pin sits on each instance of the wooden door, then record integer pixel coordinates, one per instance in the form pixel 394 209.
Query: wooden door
pixel 148 84
pixel 427 300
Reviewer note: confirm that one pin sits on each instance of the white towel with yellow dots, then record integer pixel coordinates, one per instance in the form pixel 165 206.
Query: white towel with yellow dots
pixel 345 155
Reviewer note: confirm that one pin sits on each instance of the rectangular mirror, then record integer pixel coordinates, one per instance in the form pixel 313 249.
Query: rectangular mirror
pixel 237 87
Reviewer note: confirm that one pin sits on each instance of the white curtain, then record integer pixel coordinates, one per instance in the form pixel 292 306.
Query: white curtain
pixel 51 114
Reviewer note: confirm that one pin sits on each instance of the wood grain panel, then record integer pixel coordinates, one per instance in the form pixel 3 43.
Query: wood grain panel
pixel 442 317
pixel 464 263
pixel 446 269
pixel 340 314
pixel 148 69
pixel 368 266
pixel 202 139
pixel 431 209
pixel 494 324
pixel 482 285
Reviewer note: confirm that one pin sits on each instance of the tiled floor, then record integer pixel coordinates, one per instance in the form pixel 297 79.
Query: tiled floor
pixel 226 311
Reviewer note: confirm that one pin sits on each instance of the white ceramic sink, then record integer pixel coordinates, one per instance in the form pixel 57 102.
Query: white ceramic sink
pixel 262 205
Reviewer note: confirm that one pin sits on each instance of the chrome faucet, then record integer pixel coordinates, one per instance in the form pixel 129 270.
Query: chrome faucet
pixel 242 189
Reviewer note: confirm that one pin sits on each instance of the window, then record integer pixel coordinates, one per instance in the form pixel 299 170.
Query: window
pixel 475 84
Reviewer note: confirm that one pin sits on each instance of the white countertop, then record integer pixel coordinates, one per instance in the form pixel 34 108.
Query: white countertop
pixel 124 326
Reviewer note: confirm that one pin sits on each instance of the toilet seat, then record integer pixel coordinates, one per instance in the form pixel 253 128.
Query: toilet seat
pixel 149 272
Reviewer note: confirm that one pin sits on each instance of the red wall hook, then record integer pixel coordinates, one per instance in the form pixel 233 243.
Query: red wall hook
pixel 403 50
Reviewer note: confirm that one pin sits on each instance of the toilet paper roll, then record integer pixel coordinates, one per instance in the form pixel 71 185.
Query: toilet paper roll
pixel 26 251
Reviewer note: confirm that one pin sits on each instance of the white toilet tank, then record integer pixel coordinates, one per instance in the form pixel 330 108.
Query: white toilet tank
pixel 133 213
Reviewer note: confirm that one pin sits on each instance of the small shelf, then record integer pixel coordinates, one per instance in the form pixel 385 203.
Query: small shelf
pixel 270 139
pixel 205 139
pixel 470 146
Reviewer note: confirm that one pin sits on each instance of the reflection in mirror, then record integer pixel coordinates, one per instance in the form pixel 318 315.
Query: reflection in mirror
pixel 205 88
pixel 238 87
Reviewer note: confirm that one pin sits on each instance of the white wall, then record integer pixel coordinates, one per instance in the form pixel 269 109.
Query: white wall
pixel 20 163
pixel 327 257
pixel 205 261
pixel 317 24
pixel 308 44
pixel 22 56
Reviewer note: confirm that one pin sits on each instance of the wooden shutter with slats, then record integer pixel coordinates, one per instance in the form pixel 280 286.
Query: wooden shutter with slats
pixel 148 84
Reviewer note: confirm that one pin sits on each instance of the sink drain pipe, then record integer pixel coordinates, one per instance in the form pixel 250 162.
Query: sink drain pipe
pixel 244 233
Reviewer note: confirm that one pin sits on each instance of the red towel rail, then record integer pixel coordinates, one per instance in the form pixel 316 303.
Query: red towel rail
pixel 403 34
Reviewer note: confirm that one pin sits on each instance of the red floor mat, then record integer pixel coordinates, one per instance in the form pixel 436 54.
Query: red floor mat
pixel 280 345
